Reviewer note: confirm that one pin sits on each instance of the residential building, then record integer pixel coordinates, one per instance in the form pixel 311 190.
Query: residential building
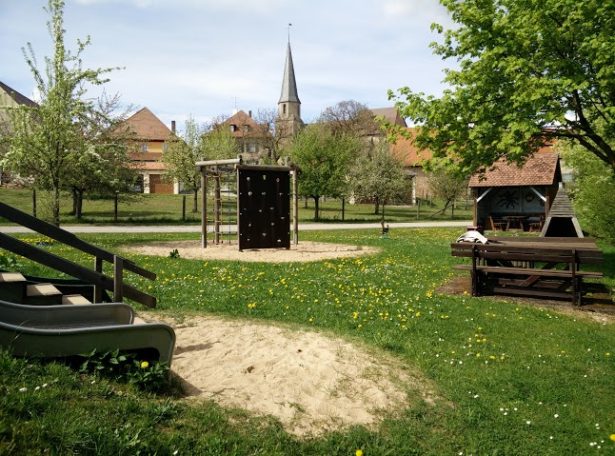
pixel 412 159
pixel 150 138
pixel 9 99
pixel 254 141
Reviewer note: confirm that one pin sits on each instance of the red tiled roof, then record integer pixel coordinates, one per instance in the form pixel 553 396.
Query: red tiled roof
pixel 541 169
pixel 409 154
pixel 146 126
pixel 391 115
pixel 241 120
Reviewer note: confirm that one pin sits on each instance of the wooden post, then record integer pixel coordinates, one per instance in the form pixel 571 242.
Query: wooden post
pixel 295 208
pixel 343 207
pixel 203 209
pixel 474 272
pixel 98 267
pixel 33 202
pixel 217 207
pixel 118 278
pixel 418 208
pixel 115 207
pixel 183 208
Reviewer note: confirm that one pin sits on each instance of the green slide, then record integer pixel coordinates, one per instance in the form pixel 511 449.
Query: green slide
pixel 64 330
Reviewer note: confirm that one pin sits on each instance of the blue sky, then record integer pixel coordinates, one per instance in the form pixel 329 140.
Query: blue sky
pixel 206 57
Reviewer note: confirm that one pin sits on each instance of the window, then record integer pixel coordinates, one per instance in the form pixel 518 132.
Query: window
pixel 284 109
pixel 246 128
pixel 143 147
pixel 233 128
pixel 252 148
pixel 165 147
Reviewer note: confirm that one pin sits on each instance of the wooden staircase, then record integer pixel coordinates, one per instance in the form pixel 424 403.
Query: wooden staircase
pixel 14 287
pixel 92 280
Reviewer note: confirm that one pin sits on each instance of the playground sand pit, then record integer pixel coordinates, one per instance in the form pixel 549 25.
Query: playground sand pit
pixel 304 251
pixel 310 382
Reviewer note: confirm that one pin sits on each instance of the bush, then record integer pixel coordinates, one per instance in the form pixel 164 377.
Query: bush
pixel 592 192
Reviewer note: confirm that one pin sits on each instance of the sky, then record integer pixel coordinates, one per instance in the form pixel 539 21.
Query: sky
pixel 206 58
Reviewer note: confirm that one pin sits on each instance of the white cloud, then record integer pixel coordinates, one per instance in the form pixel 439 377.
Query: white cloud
pixel 418 10
pixel 237 6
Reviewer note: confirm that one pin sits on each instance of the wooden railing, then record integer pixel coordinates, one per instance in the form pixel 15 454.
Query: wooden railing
pixel 95 276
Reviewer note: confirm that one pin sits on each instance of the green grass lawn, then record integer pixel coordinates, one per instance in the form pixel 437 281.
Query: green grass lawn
pixel 138 208
pixel 516 379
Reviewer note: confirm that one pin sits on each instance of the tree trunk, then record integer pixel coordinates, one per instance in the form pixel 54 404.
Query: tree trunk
pixel 376 205
pixel 55 205
pixel 195 200
pixel 73 192
pixel 316 201
pixel 305 202
pixel 79 207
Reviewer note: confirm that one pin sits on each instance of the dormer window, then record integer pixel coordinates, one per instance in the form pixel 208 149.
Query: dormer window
pixel 246 128
pixel 233 128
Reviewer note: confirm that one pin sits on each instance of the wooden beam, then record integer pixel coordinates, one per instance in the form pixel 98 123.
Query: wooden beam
pixel 72 269
pixel 65 237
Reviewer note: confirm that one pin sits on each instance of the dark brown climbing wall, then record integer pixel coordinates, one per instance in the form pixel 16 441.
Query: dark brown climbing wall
pixel 264 208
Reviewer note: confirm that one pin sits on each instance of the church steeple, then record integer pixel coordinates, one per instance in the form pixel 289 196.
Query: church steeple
pixel 289 120
pixel 289 85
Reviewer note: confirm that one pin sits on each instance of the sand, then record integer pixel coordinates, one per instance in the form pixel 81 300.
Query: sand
pixel 304 251
pixel 310 382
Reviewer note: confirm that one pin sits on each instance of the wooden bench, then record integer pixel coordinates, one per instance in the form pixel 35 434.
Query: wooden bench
pixel 549 267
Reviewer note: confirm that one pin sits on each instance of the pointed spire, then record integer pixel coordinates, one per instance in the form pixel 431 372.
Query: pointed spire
pixel 289 85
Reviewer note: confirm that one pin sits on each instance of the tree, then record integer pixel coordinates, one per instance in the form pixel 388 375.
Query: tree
pixel 447 184
pixel 218 142
pixel 349 117
pixel 48 139
pixel 324 161
pixel 181 158
pixel 266 119
pixel 529 72
pixel 378 176
pixel 102 165
pixel 592 191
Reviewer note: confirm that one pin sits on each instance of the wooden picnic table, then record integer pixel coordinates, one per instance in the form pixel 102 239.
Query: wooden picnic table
pixel 530 266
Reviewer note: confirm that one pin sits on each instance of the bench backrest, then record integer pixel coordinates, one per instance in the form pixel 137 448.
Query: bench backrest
pixel 550 254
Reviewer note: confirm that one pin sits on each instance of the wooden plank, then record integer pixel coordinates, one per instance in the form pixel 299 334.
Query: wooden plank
pixel 60 235
pixel 530 271
pixel 531 292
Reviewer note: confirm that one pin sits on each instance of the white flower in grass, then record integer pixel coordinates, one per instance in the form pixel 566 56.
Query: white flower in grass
pixel 556 415
pixel 23 389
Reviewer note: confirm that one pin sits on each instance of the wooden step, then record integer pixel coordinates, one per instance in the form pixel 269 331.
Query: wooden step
pixel 42 294
pixel 42 289
pixel 6 277
pixel 74 299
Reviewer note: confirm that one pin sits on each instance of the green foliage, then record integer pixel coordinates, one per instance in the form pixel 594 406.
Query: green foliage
pixel 592 192
pixel 527 72
pixel 324 161
pixel 493 361
pixel 218 143
pixel 378 176
pixel 48 141
pixel 147 375
pixel 183 153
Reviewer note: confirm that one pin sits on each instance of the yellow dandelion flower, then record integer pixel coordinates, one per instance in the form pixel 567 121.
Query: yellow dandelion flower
pixel 612 437
pixel 144 365
pixel 358 453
